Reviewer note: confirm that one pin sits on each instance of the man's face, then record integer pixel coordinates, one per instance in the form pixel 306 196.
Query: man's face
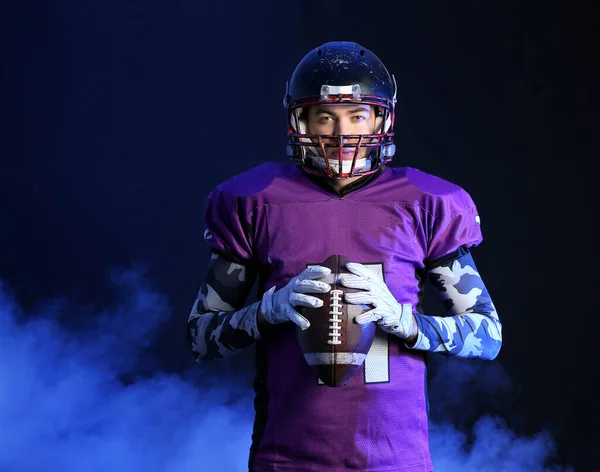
pixel 342 119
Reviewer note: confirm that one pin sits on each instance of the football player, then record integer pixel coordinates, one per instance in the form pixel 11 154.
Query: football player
pixel 341 196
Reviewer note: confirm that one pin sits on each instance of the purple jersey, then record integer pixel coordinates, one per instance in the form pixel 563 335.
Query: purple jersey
pixel 277 217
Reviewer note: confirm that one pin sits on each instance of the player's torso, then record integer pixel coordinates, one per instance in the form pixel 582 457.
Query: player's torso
pixel 382 409
pixel 370 225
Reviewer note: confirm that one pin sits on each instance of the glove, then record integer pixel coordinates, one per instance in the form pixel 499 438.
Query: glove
pixel 391 316
pixel 278 306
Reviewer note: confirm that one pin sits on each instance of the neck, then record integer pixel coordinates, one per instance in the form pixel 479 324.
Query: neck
pixel 343 186
pixel 339 184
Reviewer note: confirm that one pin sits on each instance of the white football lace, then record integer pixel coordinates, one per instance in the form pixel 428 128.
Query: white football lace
pixel 335 306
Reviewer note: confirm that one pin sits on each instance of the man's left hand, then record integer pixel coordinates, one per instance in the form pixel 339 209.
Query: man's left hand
pixel 391 316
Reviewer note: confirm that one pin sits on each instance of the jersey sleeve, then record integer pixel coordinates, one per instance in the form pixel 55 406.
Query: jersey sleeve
pixel 227 228
pixel 456 224
pixel 219 325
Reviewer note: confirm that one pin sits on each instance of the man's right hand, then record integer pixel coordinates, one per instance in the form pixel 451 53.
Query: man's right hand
pixel 278 306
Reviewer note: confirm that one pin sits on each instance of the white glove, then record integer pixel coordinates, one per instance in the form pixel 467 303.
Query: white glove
pixel 278 306
pixel 391 316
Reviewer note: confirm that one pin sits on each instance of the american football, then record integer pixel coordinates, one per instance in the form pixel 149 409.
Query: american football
pixel 334 344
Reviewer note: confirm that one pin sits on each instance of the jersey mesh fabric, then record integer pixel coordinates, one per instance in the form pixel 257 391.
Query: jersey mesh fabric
pixel 282 220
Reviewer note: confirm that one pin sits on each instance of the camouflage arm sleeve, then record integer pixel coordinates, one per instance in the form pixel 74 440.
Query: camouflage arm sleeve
pixel 472 328
pixel 218 325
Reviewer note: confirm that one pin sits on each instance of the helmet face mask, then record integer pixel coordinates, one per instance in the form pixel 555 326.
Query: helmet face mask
pixel 340 73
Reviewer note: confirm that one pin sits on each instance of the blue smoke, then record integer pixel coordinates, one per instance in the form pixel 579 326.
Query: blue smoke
pixel 64 405
pixel 71 401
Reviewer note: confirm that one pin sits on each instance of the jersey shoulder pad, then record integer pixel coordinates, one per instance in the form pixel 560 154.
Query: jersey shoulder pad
pixel 431 184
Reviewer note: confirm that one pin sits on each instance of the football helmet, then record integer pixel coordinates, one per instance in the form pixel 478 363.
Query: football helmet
pixel 340 72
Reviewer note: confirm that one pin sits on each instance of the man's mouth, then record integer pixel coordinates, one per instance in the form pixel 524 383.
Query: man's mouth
pixel 346 154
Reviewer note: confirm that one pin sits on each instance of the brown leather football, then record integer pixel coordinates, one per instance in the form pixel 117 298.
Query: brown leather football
pixel 334 344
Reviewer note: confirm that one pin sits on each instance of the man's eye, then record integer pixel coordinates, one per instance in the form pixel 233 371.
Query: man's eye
pixel 359 117
pixel 324 119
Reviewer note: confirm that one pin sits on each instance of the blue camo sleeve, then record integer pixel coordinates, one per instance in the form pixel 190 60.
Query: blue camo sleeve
pixel 471 328
pixel 219 325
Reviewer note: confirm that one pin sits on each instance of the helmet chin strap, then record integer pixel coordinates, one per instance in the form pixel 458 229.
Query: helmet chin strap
pixel 361 164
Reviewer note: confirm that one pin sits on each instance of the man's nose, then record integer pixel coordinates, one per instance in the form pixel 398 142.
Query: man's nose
pixel 341 127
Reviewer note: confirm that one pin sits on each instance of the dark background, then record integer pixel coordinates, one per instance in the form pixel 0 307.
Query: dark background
pixel 118 118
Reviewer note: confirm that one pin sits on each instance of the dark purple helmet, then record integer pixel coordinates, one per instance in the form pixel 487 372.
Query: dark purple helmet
pixel 340 72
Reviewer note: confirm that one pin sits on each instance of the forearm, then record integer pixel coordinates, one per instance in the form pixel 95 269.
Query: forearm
pixel 472 327
pixel 214 335
pixel 219 325
pixel 469 335
pixel 465 335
